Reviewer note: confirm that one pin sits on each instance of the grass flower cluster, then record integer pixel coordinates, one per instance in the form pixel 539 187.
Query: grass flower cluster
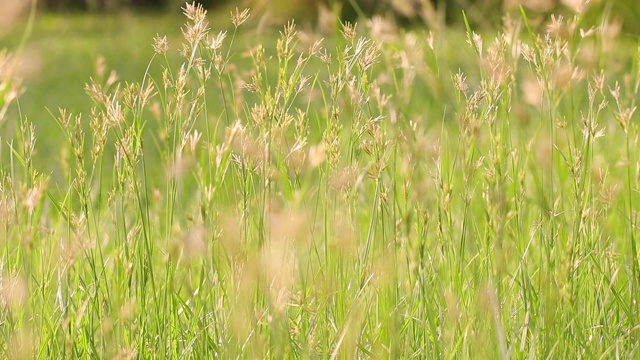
pixel 379 193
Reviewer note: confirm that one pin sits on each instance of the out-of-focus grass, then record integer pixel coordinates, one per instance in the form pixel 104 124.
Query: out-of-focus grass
pixel 386 193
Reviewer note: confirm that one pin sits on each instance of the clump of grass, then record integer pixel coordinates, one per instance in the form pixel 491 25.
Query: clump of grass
pixel 383 193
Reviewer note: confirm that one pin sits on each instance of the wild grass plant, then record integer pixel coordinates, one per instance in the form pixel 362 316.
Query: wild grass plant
pixel 391 195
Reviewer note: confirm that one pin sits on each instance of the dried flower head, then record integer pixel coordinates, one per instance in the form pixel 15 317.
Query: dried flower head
pixel 578 6
pixel 460 82
pixel 369 57
pixel 193 140
pixel 194 12
pixel 216 42
pixel 349 31
pixel 115 113
pixel 160 44
pixel 239 17
pixel 475 40
pixel 557 26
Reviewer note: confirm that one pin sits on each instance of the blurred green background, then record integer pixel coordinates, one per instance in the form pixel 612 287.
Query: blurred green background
pixel 482 12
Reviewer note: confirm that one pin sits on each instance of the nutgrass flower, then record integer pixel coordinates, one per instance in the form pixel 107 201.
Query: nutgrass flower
pixel 239 17
pixel 160 45
pixel 194 12
pixel 216 42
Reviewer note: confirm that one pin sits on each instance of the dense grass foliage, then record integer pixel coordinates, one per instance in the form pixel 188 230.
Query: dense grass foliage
pixel 379 193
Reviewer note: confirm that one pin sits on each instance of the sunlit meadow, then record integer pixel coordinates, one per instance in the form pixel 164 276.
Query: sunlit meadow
pixel 343 191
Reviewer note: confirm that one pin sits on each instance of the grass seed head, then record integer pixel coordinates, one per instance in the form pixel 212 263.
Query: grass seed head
pixel 349 31
pixel 577 6
pixel 239 17
pixel 160 45
pixel 194 12
pixel 215 43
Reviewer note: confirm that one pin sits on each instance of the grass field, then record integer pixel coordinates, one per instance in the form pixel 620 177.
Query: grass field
pixel 375 192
